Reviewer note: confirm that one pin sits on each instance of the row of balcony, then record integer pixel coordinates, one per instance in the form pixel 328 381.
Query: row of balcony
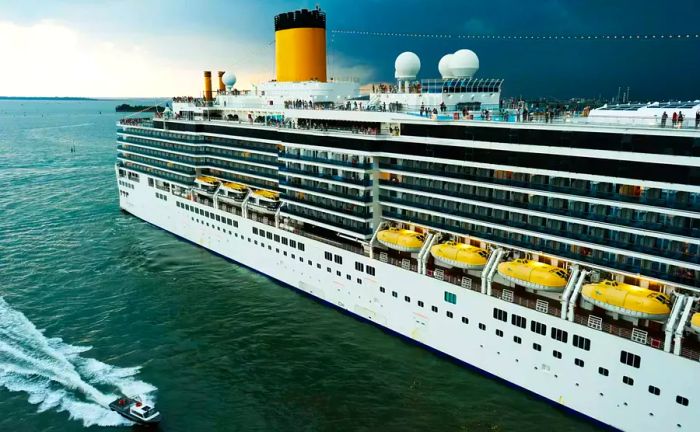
pixel 327 204
pixel 342 179
pixel 158 163
pixel 295 183
pixel 327 219
pixel 570 212
pixel 330 161
pixel 154 172
pixel 668 202
pixel 197 152
pixel 634 266
pixel 567 231
pixel 200 139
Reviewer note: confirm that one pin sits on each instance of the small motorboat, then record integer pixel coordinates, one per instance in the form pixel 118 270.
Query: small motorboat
pixel 135 410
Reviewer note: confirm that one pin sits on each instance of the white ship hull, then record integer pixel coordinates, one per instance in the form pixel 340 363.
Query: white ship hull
pixel 583 390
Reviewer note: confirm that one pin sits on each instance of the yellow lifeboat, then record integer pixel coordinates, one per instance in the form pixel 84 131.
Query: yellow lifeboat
pixel 207 180
pixel 533 274
pixel 460 255
pixel 627 299
pixel 235 187
pixel 401 239
pixel 695 322
pixel 267 195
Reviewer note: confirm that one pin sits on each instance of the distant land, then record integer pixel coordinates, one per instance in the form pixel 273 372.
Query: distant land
pixel 138 108
pixel 46 98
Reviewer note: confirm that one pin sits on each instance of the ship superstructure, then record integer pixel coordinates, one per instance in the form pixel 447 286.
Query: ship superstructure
pixel 558 255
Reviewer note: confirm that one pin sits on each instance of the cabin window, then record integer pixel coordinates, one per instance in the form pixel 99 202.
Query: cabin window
pixel 269 235
pixel 450 297
pixel 262 233
pixel 556 354
pixel 582 342
pixel 359 281
pixel 407 299
pixel 654 390
pixel 328 269
pixel 499 333
pixel 338 259
pixel 560 335
pixel 420 303
pixel 537 347
pixel 518 321
pixel 359 266
pixel 255 230
pixel 370 270
pixel 394 294
pixel 218 218
pixel 500 315
pixel 578 362
pixel 318 266
pixel 348 277
pixel 277 238
pixel 482 326
pixel 630 359
pixel 681 400
pixel 338 273
pixel 285 241
pixel 627 380
pixel 538 328
pixel 434 308
pixel 382 289
pixel 292 243
pixel 465 320
pixel 328 256
pixel 301 246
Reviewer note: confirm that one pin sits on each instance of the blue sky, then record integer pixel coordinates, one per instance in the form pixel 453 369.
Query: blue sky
pixel 159 48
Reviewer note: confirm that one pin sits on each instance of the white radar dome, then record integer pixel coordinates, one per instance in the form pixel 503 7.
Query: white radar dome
pixel 407 65
pixel 464 63
pixel 229 80
pixel 444 66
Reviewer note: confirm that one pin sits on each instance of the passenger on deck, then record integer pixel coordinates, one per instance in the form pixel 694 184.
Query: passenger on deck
pixel 664 117
pixel 697 118
pixel 674 119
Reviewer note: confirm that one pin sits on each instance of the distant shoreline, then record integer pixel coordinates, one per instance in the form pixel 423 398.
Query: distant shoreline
pixel 47 98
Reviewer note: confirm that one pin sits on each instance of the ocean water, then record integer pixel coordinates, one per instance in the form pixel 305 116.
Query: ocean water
pixel 94 303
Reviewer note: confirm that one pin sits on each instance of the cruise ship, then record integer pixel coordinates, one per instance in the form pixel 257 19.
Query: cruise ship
pixel 554 251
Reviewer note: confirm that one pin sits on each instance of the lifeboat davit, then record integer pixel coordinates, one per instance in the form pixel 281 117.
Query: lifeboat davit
pixel 695 322
pixel 401 239
pixel 533 274
pixel 460 255
pixel 626 299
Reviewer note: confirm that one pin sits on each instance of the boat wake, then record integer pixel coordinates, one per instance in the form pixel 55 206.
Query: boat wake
pixel 56 376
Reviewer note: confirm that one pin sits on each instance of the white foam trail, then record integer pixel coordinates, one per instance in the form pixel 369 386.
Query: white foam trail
pixel 55 375
pixel 61 127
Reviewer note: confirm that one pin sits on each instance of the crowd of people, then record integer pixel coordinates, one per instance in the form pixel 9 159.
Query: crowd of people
pixel 678 118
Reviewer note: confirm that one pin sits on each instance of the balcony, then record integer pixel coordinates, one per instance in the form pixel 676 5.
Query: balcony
pixel 348 209
pixel 175 136
pixel 340 179
pixel 611 219
pixel 563 232
pixel 366 230
pixel 157 173
pixel 330 161
pixel 365 197
pixel 607 260
pixel 438 171
pixel 157 163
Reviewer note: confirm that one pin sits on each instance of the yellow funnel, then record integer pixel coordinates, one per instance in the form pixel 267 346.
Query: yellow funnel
pixel 300 46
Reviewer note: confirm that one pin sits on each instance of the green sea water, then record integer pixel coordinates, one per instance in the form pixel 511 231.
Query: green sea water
pixel 95 303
